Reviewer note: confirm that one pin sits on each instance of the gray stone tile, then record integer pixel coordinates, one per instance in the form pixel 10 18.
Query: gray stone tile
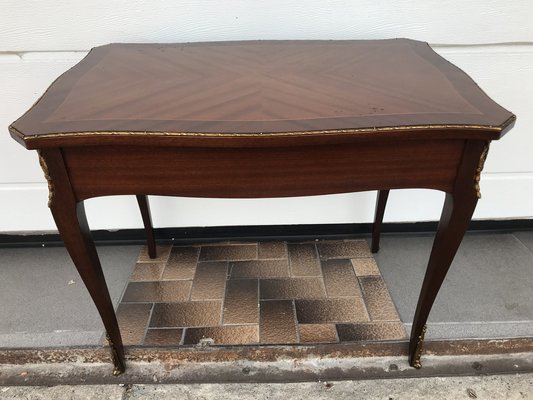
pixel 186 314
pixel 272 250
pixel 304 260
pixel 43 297
pixel 237 252
pixel 490 279
pixel 331 311
pixel 377 299
pixel 343 249
pixel 291 288
pixel 260 269
pixel 133 320
pixel 163 337
pixel 339 278
pixel 317 333
pixel 277 323
pixel 241 302
pixel 372 331
pixel 229 334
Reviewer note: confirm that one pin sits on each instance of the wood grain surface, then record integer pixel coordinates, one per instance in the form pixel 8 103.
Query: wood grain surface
pixel 260 88
pixel 261 172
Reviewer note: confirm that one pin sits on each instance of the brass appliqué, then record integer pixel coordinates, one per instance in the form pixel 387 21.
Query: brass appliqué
pixel 480 166
pixel 117 370
pixel 419 348
pixel 44 166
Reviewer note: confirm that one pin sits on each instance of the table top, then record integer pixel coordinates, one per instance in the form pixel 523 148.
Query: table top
pixel 260 88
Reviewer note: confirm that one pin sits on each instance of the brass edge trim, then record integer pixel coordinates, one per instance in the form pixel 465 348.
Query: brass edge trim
pixel 14 130
pixel 234 134
pixel 479 169
pixel 117 364
pixel 46 172
pixel 508 122
pixel 419 348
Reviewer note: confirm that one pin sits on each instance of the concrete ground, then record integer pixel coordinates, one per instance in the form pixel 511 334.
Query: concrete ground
pixel 486 294
pixel 517 386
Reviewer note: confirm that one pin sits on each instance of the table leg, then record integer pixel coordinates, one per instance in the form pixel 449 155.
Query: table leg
pixel 381 202
pixel 71 222
pixel 456 214
pixel 144 206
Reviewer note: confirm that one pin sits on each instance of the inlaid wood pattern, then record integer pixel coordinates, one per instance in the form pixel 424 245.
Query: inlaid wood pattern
pixel 258 83
pixel 260 87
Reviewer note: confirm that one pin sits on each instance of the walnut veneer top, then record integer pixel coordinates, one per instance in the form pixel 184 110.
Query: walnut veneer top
pixel 260 88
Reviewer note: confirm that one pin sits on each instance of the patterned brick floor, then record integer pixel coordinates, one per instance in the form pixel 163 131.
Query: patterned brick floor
pixel 258 293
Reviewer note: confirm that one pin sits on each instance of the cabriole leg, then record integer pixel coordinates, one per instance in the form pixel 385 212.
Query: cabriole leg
pixel 456 215
pixel 144 206
pixel 71 222
pixel 381 202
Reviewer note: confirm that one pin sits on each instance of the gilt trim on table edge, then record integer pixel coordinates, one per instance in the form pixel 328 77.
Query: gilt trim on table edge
pixel 259 134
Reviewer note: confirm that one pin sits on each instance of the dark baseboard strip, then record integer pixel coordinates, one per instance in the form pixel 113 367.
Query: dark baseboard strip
pixel 258 232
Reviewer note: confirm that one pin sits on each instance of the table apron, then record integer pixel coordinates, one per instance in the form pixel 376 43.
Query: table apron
pixel 261 172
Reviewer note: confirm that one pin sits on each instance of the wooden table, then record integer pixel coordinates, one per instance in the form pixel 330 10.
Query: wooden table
pixel 261 119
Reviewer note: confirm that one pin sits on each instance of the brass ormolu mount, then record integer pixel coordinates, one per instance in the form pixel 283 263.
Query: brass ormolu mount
pixel 480 166
pixel 118 364
pixel 419 348
pixel 44 166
